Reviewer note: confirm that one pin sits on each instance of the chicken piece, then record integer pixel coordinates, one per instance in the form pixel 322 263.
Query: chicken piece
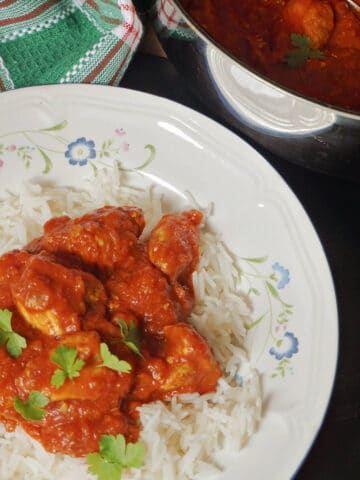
pixel 100 239
pixel 173 245
pixel 67 260
pixel 78 425
pixel 11 267
pixel 49 296
pixel 184 364
pixel 141 289
pixel 86 343
pixel 314 18
pixel 347 28
pixel 52 297
pixel 192 365
pixel 93 382
pixel 95 296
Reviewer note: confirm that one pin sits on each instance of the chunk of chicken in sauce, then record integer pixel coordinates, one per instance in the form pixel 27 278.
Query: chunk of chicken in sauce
pixel 100 239
pixel 346 34
pixel 173 248
pixel 313 18
pixel 53 298
pixel 94 379
pixel 155 280
pixel 174 245
pixel 11 267
pixel 147 284
pixel 141 289
pixel 181 363
pixel 49 296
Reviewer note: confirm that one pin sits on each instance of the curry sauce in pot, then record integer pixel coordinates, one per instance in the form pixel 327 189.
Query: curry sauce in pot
pixel 309 46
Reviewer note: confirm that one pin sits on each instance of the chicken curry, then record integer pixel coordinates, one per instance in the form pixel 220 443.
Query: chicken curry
pixel 93 323
pixel 310 46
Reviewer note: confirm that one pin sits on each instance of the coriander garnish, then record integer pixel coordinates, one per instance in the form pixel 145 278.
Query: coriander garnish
pixel 13 341
pixel 297 57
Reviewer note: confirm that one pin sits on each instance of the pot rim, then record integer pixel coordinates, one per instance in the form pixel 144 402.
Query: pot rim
pixel 205 36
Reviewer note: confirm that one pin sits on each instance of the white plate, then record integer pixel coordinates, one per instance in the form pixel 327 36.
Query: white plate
pixel 46 131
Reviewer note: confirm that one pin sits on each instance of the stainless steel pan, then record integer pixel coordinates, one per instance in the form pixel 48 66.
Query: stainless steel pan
pixel 295 128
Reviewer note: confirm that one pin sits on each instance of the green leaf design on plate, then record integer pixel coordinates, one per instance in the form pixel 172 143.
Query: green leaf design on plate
pixel 255 259
pixel 273 291
pixel 48 162
pixel 59 126
pixel 255 322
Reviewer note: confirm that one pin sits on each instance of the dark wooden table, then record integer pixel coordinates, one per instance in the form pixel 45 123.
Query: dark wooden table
pixel 333 205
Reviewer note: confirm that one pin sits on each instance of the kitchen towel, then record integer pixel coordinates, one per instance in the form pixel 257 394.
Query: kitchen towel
pixel 66 41
pixel 168 21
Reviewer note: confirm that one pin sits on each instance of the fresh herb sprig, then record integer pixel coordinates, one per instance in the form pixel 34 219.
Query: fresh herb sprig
pixel 131 335
pixel 32 408
pixel 66 358
pixel 112 361
pixel 114 456
pixel 13 341
pixel 298 56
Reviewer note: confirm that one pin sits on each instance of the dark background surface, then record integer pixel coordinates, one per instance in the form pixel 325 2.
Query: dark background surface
pixel 333 205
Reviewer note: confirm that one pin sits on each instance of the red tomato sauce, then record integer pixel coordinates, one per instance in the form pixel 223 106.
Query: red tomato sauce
pixel 69 288
pixel 259 34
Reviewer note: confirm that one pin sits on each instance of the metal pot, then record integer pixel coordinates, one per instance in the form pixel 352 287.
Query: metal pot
pixel 300 130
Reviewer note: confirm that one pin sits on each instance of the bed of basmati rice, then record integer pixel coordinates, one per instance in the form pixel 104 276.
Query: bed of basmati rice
pixel 184 438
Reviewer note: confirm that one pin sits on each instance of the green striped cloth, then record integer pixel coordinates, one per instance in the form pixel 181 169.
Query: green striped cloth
pixel 66 41
pixel 168 20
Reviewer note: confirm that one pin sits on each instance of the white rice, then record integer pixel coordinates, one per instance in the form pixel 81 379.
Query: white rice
pixel 186 437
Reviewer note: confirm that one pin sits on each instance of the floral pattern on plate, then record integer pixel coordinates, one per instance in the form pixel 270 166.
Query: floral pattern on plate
pixel 39 145
pixel 281 344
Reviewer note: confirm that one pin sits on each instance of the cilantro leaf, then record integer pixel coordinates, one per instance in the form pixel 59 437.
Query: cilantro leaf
pixel 13 341
pixel 112 361
pixel 66 358
pixel 113 448
pixel 32 409
pixel 100 467
pixel 298 56
pixel 134 455
pixel 316 54
pixel 58 378
pixel 131 336
pixel 114 456
pixel 300 41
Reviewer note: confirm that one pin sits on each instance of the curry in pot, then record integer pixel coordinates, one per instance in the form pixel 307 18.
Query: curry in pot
pixel 309 46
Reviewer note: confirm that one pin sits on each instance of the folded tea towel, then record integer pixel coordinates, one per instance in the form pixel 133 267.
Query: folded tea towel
pixel 66 41
pixel 168 20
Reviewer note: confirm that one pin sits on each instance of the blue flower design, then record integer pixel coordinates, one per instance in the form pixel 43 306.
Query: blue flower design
pixel 80 151
pixel 284 275
pixel 287 347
